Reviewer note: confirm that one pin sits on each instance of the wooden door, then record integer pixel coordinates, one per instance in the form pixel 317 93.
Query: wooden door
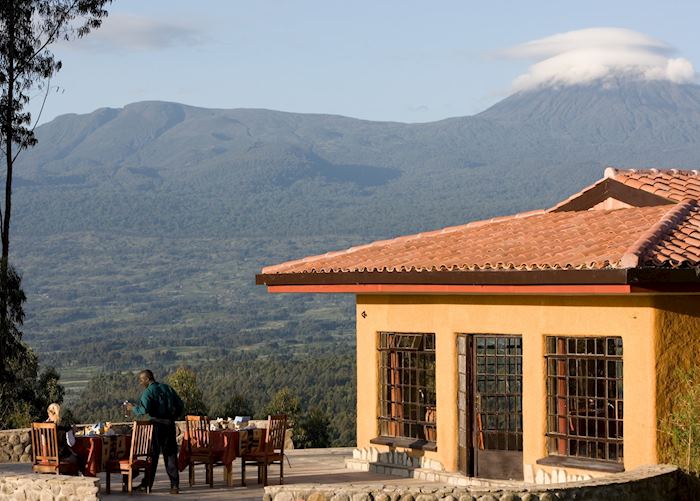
pixel 497 425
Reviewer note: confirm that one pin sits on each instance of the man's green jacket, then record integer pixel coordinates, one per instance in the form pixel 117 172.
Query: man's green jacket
pixel 159 401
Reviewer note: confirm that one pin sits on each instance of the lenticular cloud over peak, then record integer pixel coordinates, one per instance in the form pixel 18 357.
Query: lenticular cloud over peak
pixel 598 54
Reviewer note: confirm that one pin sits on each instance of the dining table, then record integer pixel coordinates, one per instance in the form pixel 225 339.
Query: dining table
pixel 94 451
pixel 227 445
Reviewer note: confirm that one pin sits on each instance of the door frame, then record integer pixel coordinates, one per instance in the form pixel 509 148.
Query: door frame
pixel 465 405
pixel 471 459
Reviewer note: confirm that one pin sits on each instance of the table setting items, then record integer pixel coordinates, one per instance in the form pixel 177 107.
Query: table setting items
pixel 237 423
pixel 100 428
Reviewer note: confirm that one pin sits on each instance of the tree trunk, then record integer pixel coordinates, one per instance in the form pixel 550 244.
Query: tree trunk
pixel 9 139
pixel 5 328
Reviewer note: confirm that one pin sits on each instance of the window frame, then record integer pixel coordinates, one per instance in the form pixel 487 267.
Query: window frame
pixel 407 390
pixel 585 369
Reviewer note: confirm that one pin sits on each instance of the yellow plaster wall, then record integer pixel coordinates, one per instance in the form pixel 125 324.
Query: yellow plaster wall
pixel 678 348
pixel 533 318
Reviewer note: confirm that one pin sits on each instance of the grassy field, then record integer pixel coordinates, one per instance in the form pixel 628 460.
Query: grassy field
pixel 75 379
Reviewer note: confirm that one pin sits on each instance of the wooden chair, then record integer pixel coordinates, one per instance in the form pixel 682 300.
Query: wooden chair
pixel 45 451
pixel 139 457
pixel 200 448
pixel 271 452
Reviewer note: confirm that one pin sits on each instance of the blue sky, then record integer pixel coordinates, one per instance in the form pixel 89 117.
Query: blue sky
pixel 405 61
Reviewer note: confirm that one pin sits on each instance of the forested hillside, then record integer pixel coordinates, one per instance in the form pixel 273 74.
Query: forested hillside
pixel 245 382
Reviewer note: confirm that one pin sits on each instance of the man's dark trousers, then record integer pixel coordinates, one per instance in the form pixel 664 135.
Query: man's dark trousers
pixel 165 441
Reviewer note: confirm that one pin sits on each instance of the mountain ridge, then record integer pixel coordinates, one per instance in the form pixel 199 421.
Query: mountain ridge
pixel 237 160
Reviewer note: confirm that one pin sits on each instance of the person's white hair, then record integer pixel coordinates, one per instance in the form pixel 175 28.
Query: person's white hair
pixel 54 410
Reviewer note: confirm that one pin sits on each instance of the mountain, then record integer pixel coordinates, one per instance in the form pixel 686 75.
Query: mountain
pixel 164 168
pixel 626 114
pixel 140 229
pixel 235 172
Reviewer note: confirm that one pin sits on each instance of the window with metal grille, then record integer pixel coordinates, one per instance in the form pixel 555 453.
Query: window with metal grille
pixel 407 385
pixel 584 397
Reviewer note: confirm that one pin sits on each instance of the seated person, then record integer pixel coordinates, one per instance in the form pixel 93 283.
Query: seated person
pixel 64 434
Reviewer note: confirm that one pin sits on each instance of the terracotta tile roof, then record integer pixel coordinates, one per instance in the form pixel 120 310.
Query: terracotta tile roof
pixel 677 245
pixel 665 235
pixel 673 184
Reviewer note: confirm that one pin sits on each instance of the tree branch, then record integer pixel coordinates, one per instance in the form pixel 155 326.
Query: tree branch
pixel 50 38
pixel 41 110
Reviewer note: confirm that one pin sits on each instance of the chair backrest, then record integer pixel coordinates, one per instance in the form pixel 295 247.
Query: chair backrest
pixel 141 441
pixel 198 433
pixel 276 428
pixel 44 444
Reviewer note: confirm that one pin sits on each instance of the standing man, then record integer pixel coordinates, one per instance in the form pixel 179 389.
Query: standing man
pixel 163 405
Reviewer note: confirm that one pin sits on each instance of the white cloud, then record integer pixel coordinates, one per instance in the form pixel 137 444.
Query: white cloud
pixel 598 54
pixel 122 31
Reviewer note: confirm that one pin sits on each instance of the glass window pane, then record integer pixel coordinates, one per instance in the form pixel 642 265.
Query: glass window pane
pixel 588 377
pixel 407 396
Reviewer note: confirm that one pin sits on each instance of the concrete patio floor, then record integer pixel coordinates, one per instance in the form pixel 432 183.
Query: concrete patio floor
pixel 325 466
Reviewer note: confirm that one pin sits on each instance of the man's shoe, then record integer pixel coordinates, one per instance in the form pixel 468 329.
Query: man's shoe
pixel 141 487
pixel 174 490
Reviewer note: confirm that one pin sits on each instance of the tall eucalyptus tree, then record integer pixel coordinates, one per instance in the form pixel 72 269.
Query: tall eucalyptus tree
pixel 28 29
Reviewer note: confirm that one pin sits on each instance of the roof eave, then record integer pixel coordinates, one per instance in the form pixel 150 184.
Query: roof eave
pixel 591 281
pixel 476 277
pixel 651 276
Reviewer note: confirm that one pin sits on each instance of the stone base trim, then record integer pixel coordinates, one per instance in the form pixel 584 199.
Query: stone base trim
pixel 535 474
pixel 401 464
pixel 426 474
pixel 357 464
pixel 397 458
pixel 649 483
pixel 47 487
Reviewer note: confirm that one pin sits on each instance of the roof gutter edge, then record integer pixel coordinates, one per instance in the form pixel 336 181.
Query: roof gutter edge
pixel 620 276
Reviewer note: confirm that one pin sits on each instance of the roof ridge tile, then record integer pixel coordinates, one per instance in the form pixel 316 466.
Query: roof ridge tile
pixel 612 172
pixel 671 219
pixel 579 193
